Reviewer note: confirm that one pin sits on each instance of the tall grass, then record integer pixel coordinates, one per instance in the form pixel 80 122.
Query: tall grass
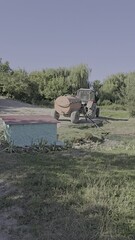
pixel 72 194
pixel 83 194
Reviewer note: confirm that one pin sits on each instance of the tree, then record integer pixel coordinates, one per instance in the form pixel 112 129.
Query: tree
pixel 47 84
pixel 56 82
pixel 114 88
pixel 4 67
pixel 78 78
pixel 130 90
pixel 5 72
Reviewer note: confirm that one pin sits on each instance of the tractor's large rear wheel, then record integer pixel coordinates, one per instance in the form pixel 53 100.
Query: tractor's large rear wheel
pixel 75 117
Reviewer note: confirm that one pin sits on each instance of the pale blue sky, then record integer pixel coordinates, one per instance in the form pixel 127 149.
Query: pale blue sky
pixel 37 34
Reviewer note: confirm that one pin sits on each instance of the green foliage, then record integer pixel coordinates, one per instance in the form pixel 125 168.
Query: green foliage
pixel 4 67
pixel 20 87
pixel 5 73
pixel 114 89
pixel 113 106
pixel 38 86
pixel 64 81
pixel 48 84
pixel 78 78
pixel 97 86
pixel 3 79
pixel 131 93
pixel 97 89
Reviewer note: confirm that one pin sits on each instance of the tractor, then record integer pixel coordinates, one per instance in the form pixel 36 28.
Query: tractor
pixel 84 103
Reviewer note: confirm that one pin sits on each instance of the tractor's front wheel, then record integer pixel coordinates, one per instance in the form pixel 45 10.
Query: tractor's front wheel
pixel 97 112
pixel 75 117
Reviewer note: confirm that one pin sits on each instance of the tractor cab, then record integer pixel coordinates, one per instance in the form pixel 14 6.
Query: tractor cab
pixel 86 95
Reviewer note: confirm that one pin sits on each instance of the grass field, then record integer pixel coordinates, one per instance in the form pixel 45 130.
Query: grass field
pixel 79 194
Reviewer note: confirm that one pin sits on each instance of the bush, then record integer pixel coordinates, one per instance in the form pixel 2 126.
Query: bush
pixel 131 94
pixel 114 89
pixel 105 102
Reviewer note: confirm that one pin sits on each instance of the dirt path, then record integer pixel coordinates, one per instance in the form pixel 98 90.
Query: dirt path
pixel 10 106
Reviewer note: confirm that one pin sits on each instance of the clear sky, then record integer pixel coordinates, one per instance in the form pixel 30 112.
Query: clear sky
pixel 37 34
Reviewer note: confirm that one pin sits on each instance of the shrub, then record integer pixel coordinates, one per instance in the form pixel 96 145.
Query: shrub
pixel 131 94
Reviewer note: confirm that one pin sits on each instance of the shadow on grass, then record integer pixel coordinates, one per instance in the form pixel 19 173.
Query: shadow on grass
pixel 71 194
pixel 113 119
pixel 87 125
pixel 83 121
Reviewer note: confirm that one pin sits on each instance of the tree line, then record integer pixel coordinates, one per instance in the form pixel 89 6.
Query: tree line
pixel 46 85
pixel 117 89
pixel 37 86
